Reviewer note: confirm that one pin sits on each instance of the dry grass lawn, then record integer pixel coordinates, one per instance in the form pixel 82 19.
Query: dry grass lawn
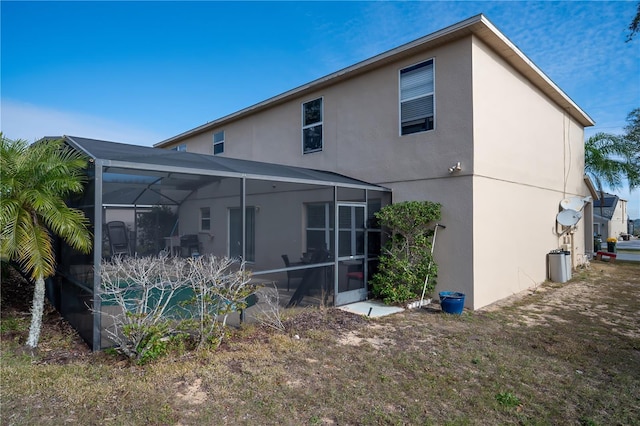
pixel 560 355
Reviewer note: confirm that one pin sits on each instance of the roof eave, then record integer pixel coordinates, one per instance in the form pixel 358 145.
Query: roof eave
pixel 591 187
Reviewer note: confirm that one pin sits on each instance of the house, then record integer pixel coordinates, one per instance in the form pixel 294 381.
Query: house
pixel 610 218
pixel 461 117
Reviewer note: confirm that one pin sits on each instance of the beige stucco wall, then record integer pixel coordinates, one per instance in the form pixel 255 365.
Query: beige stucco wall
pixel 361 140
pixel 520 155
pixel 528 156
pixel 453 250
pixel 361 131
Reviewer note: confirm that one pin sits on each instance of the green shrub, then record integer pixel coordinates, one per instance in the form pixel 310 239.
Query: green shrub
pixel 406 259
pixel 151 340
pixel 507 399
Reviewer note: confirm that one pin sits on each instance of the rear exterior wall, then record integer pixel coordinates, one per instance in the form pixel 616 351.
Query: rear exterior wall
pixel 519 155
pixel 362 140
pixel 528 156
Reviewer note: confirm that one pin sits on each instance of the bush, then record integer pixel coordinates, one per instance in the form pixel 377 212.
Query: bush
pixel 218 289
pixel 151 300
pixel 406 259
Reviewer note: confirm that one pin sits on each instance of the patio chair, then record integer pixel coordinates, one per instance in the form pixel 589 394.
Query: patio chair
pixel 296 274
pixel 118 235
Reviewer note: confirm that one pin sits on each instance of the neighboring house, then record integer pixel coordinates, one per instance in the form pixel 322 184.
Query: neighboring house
pixel 461 117
pixel 610 217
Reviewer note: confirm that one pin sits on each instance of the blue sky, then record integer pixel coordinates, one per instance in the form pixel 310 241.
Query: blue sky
pixel 140 72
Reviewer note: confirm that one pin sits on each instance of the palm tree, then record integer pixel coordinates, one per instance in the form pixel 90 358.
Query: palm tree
pixel 34 181
pixel 608 159
pixel 634 26
pixel 632 135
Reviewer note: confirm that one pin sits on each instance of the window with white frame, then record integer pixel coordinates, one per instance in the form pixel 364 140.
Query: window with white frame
pixel 181 148
pixel 416 98
pixel 205 219
pixel 218 142
pixel 312 126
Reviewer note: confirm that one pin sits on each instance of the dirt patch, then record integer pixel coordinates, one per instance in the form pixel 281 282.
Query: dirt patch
pixel 327 319
pixel 191 393
pixel 352 338
pixel 547 306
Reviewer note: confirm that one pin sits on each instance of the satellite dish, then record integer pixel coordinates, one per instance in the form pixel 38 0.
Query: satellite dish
pixel 572 203
pixel 568 217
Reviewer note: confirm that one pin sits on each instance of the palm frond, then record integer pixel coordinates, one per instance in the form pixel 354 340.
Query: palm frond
pixel 35 180
pixel 36 254
pixel 609 159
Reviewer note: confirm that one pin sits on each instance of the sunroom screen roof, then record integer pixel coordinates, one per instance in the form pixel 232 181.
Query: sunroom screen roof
pixel 114 154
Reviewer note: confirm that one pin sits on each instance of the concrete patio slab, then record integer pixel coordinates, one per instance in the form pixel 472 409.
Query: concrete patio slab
pixel 371 308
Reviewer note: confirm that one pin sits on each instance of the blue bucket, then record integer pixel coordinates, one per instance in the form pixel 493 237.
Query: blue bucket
pixel 452 302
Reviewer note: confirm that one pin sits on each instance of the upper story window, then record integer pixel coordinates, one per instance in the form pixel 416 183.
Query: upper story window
pixel 312 126
pixel 416 98
pixel 218 142
pixel 182 147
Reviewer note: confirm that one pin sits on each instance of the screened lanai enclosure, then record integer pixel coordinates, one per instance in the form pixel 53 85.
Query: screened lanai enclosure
pixel 310 234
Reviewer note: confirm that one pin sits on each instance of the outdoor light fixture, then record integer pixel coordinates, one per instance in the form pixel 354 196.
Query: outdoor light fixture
pixel 455 168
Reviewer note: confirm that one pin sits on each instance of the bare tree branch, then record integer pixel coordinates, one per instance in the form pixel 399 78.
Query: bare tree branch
pixel 149 299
